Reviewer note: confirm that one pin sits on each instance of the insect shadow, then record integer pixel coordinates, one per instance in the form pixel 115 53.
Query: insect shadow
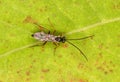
pixel 56 39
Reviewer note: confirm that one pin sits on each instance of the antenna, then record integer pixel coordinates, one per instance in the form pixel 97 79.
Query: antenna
pixel 78 49
pixel 82 38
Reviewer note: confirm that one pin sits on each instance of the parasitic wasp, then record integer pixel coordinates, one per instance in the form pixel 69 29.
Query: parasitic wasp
pixel 48 37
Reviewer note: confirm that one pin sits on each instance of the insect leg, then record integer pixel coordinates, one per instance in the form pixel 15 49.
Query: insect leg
pixel 52 26
pixel 57 45
pixel 39 26
pixel 44 43
pixel 39 45
pixel 48 32
pixel 54 32
pixel 51 23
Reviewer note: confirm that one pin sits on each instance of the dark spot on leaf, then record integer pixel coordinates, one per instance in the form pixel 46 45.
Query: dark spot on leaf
pixel 65 45
pixel 55 61
pixel 45 70
pixel 27 79
pixel 42 49
pixel 60 56
pixel 105 67
pixel 1 81
pixel 110 70
pixel 105 72
pixel 10 65
pixel 111 63
pixel 100 68
pixel 34 1
pixel 43 9
pixel 83 80
pixel 31 66
pixel 80 66
pixel 18 71
pixel 107 47
pixel 100 46
pixel 76 3
pixel 29 19
pixel 73 55
pixel 116 6
pixel 8 21
pixel 118 45
pixel 27 73
pixel 92 37
pixel 30 55
pixel 100 55
pixel 42 77
pixel 62 80
pixel 60 71
pixel 12 35
pixel 34 60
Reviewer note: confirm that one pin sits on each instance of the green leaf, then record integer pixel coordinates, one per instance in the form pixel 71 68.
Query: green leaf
pixel 19 62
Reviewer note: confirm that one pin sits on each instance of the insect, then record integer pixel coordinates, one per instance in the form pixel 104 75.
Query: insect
pixel 48 37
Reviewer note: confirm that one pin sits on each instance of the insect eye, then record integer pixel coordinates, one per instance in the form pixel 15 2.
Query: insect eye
pixel 32 35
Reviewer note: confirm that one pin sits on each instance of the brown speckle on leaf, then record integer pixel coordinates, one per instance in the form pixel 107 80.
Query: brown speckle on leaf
pixel 34 60
pixel 12 35
pixel 27 79
pixel 100 46
pixel 105 72
pixel 60 56
pixel 42 77
pixel 106 67
pixel 45 70
pixel 80 66
pixel 92 36
pixel 29 19
pixel 65 45
pixel 30 55
pixel 116 6
pixel 42 49
pixel 43 9
pixel 110 70
pixel 8 21
pixel 18 71
pixel 31 66
pixel 27 73
pixel 11 66
pixel 83 80
pixel 100 55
